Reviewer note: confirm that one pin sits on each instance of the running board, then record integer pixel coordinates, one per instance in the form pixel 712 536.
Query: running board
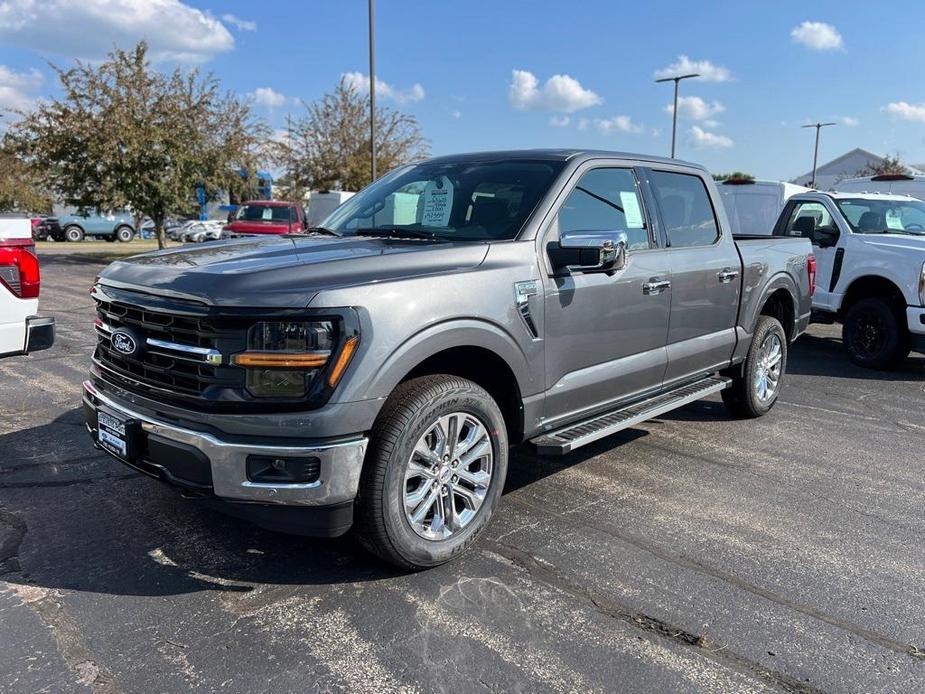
pixel 568 438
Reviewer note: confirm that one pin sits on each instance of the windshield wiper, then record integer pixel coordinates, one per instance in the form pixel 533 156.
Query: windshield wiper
pixel 399 233
pixel 321 230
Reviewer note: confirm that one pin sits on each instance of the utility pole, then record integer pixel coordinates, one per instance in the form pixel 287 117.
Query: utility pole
pixel 818 127
pixel 292 186
pixel 372 87
pixel 674 112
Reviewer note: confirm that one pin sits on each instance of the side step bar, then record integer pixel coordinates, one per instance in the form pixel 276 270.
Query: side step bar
pixel 568 438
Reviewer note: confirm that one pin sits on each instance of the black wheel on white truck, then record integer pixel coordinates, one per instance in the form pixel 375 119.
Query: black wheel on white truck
pixel 875 334
pixel 756 383
pixel 434 472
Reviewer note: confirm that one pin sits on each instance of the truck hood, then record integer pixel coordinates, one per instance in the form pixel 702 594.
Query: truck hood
pixel 900 242
pixel 285 271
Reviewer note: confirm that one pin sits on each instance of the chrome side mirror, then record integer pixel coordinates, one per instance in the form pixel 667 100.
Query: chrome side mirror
pixel 588 251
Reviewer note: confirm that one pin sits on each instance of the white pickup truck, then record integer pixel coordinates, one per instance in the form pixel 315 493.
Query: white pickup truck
pixel 870 260
pixel 21 330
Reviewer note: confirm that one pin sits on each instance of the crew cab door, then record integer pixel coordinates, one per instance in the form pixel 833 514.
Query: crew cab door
pixel 605 332
pixel 818 222
pixel 705 275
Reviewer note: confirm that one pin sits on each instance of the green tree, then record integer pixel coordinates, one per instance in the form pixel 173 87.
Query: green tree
pixel 889 165
pixel 734 176
pixel 21 188
pixel 126 135
pixel 328 147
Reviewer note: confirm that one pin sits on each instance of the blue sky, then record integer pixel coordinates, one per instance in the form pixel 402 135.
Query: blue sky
pixel 774 66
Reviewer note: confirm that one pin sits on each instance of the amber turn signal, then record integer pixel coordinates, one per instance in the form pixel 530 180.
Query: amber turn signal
pixel 281 360
pixel 343 359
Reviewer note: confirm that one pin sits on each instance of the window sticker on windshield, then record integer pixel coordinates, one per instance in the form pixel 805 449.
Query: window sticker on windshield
pixel 894 220
pixel 631 210
pixel 266 214
pixel 438 202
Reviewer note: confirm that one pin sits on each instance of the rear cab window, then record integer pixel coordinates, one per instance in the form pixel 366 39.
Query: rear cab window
pixel 686 210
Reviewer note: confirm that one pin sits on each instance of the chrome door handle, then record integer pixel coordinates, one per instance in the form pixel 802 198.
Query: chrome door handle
pixel 727 275
pixel 655 286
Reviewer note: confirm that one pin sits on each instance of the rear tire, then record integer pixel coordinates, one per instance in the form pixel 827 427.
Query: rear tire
pixel 874 335
pixel 73 233
pixel 756 385
pixel 422 503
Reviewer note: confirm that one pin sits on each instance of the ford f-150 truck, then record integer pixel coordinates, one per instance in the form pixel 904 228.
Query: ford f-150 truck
pixel 374 372
pixel 870 248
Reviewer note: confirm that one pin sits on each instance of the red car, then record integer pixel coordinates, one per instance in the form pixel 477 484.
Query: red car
pixel 267 217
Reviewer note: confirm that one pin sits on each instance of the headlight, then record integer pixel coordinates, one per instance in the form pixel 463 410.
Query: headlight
pixel 922 286
pixel 283 358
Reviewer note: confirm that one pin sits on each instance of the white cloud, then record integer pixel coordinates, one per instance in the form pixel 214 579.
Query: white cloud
pixel 559 121
pixel 583 123
pixel 704 140
pixel 238 23
pixel 561 93
pixel 818 36
pixel 850 121
pixel 90 29
pixel 268 97
pixel 622 124
pixel 902 110
pixel 383 89
pixel 17 88
pixel 695 108
pixel 457 114
pixel 684 66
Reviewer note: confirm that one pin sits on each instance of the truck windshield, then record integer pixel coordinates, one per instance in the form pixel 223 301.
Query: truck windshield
pixel 884 216
pixel 264 213
pixel 461 200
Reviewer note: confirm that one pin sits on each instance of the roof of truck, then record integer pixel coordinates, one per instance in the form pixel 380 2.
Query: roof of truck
pixel 835 195
pixel 560 155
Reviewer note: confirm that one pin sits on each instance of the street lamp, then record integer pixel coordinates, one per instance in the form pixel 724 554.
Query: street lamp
pixel 818 127
pixel 674 113
pixel 372 87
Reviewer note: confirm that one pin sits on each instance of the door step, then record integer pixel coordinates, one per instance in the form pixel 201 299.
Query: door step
pixel 568 438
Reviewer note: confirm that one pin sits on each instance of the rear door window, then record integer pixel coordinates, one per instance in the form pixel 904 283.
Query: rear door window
pixel 687 212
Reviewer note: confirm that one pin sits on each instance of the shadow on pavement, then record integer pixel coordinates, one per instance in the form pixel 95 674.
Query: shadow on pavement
pixel 813 355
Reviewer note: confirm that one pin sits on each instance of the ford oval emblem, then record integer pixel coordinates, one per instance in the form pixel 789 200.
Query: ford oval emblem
pixel 124 342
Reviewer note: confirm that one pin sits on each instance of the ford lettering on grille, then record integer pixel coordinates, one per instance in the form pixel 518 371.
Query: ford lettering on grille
pixel 124 343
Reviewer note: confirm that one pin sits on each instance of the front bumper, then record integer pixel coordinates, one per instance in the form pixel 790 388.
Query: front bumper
pixel 915 316
pixel 216 469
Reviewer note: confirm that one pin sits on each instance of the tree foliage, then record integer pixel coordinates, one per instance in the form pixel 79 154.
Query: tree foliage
pixel 327 148
pixel 734 176
pixel 888 165
pixel 21 188
pixel 126 135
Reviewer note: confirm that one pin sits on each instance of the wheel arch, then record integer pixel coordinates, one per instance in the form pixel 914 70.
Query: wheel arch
pixel 869 287
pixel 778 299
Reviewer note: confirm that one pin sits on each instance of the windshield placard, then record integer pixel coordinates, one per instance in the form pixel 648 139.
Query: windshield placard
pixel 438 202
pixel 631 210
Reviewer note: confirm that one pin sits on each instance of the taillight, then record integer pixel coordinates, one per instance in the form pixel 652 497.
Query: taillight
pixel 811 271
pixel 19 267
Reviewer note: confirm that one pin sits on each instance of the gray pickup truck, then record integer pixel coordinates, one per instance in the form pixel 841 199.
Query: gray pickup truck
pixel 373 373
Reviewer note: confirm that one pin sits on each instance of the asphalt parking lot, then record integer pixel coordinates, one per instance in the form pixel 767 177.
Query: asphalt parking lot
pixel 693 553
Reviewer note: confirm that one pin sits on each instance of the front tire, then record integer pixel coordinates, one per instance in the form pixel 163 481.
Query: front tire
pixel 756 385
pixel 874 336
pixel 125 234
pixel 434 472
pixel 74 233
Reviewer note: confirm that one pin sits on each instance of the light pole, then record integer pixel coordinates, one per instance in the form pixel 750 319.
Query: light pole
pixel 372 87
pixel 818 127
pixel 674 112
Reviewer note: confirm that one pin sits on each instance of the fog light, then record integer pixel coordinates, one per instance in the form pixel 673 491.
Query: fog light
pixel 281 470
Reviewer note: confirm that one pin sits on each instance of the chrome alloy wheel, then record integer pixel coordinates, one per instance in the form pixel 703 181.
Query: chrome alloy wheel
pixel 768 370
pixel 448 475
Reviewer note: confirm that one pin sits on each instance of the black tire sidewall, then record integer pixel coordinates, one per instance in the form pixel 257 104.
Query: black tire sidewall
pixel 414 549
pixel 123 230
pixel 77 232
pixel 892 349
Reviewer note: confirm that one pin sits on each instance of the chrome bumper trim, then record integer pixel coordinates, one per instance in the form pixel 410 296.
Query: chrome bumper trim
pixel 341 463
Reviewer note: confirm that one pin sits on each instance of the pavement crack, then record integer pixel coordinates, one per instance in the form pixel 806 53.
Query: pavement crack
pixel 68 483
pixel 651 625
pixel 12 541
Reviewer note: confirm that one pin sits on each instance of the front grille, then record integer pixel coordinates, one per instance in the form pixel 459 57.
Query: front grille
pixel 187 374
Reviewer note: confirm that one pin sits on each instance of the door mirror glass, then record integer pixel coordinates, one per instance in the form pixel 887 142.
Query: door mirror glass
pixel 584 251
pixel 825 237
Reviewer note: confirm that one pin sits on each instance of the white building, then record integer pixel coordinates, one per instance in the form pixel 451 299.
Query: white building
pixel 848 165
